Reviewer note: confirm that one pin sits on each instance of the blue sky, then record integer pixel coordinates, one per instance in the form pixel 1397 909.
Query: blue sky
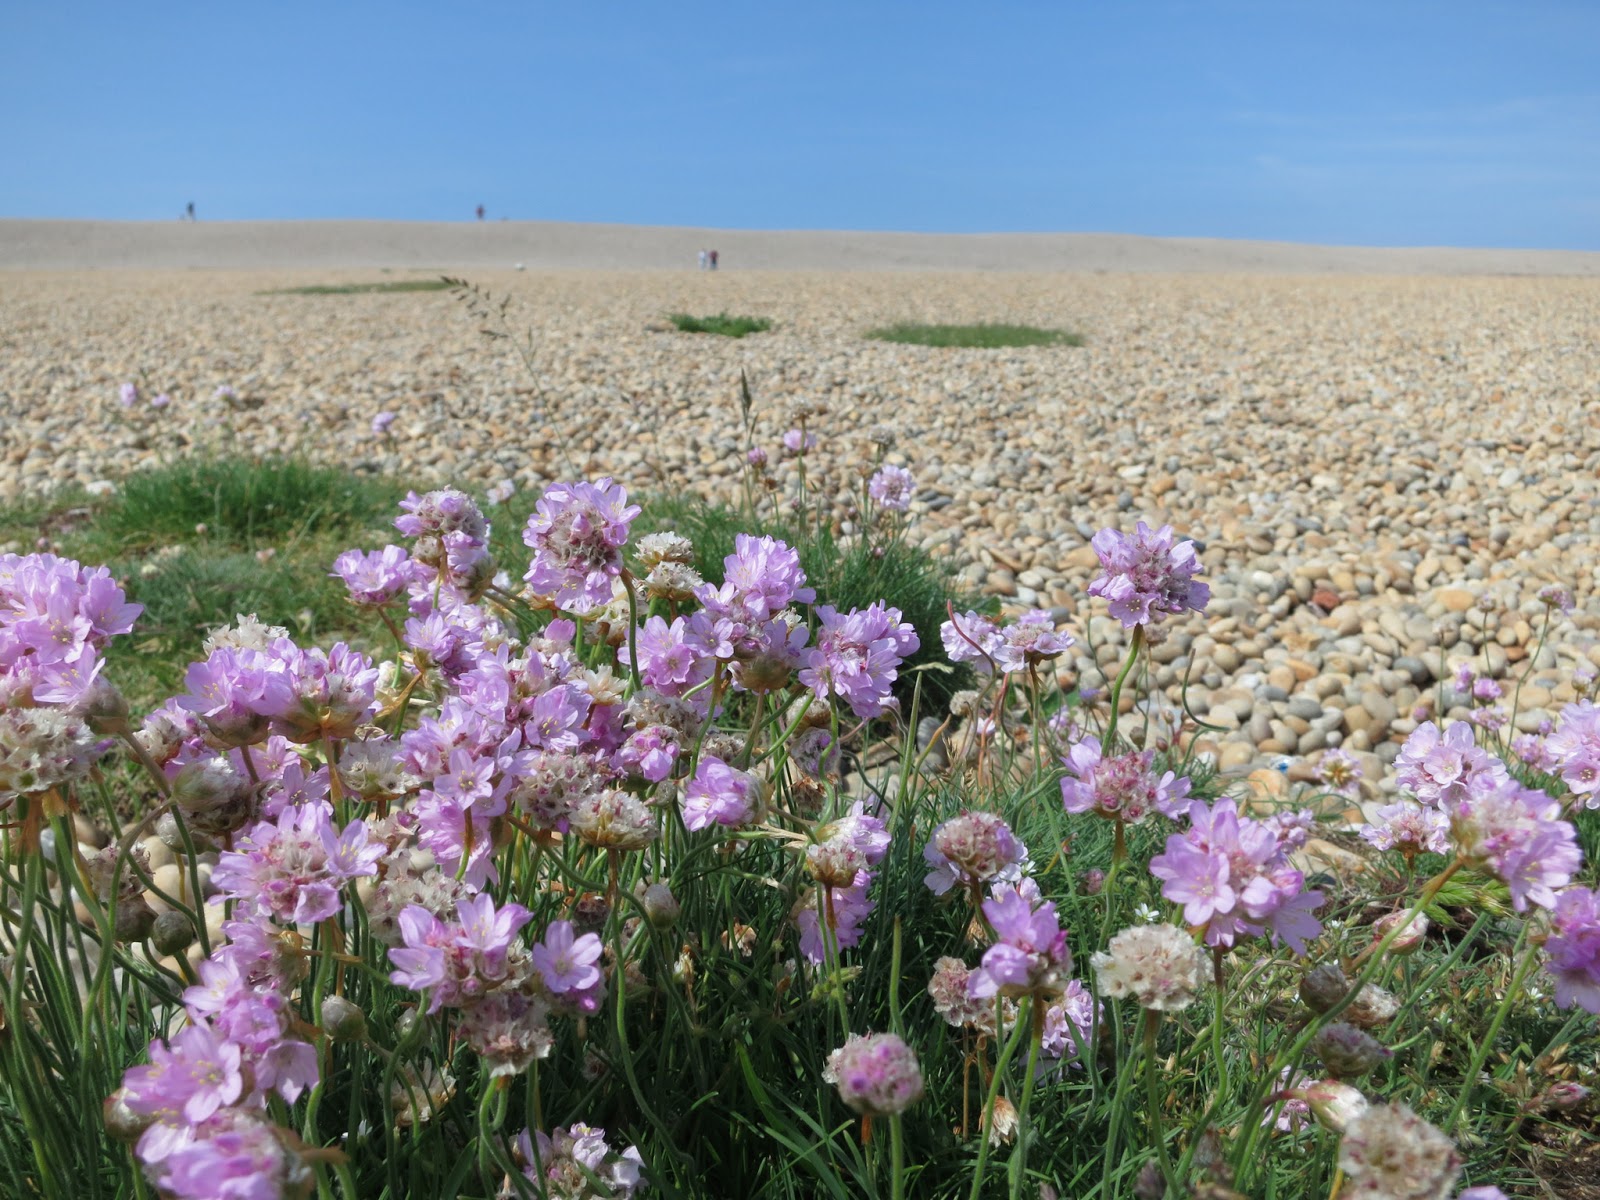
pixel 1465 123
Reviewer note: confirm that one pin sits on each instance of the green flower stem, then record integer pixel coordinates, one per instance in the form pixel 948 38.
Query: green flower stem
pixel 1220 1004
pixel 1152 1024
pixel 1530 959
pixel 1373 956
pixel 1109 740
pixel 1019 1157
pixel 984 1133
pixel 1117 1105
pixel 897 1158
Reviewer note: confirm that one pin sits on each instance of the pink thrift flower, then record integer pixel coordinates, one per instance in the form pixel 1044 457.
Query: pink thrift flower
pixel 857 657
pixel 720 795
pixel 189 1077
pixel 1572 953
pixel 891 488
pixel 577 532
pixel 567 965
pixel 1146 577
pixel 295 868
pixel 1122 788
pixel 877 1074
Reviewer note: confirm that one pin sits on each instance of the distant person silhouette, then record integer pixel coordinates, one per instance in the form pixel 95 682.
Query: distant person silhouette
pixel 713 260
pixel 480 212
pixel 705 260
pixel 189 212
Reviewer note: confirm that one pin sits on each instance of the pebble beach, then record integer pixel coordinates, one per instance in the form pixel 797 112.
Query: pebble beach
pixel 1382 470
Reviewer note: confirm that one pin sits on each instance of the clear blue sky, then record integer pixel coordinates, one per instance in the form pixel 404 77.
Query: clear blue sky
pixel 1345 121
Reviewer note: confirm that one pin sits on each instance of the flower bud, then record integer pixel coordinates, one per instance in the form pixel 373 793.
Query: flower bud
pixel 1324 986
pixel 591 912
pixel 1091 881
pixel 1149 1183
pixel 134 919
pixel 172 932
pixel 342 1020
pixel 660 905
pixel 1408 941
pixel 103 708
pixel 1347 1052
pixel 1334 1104
pixel 1561 1097
pixel 212 792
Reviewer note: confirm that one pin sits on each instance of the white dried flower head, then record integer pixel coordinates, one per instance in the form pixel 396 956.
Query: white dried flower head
pixel 418 1093
pixel 410 881
pixel 948 987
pixel 246 633
pixel 881 435
pixel 877 1074
pixel 602 685
pixel 964 703
pixel 373 770
pixel 41 748
pixel 835 861
pixel 1003 1130
pixel 1334 1104
pixel 610 622
pixel 654 549
pixel 508 1030
pixel 672 581
pixel 1390 1153
pixel 614 820
pixel 649 707
pixel 553 783
pixel 1159 965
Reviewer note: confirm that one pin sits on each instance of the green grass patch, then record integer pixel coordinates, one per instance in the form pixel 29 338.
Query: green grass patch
pixel 202 540
pixel 983 336
pixel 362 289
pixel 243 503
pixel 722 323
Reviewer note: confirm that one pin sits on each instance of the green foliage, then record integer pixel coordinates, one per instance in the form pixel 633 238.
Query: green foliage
pixel 364 289
pixel 722 323
pixel 982 336
pixel 244 503
pixel 201 541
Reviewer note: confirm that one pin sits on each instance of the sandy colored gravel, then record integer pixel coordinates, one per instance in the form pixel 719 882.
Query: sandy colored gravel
pixel 1383 469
